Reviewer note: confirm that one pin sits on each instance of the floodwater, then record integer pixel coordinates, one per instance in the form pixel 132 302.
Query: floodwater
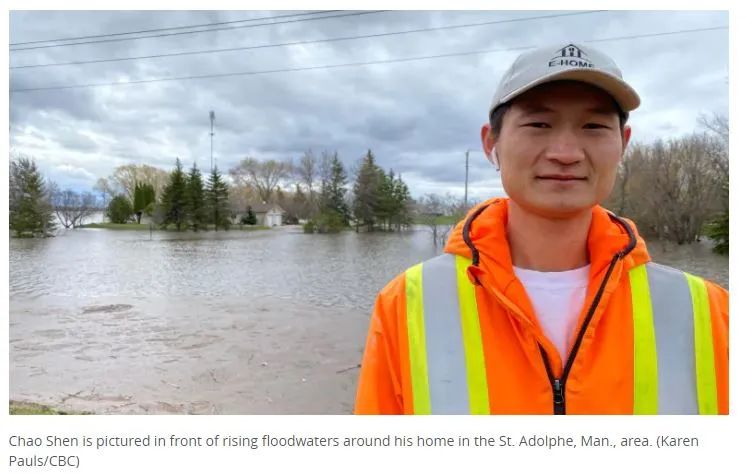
pixel 238 322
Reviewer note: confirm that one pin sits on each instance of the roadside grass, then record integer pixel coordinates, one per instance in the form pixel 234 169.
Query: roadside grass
pixel 28 408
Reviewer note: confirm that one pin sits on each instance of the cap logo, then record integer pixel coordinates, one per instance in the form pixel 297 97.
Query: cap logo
pixel 571 56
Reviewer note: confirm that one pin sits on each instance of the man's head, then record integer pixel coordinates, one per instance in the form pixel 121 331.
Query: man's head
pixel 558 129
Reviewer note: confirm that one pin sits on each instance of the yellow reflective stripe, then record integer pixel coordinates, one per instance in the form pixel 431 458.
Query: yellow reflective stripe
pixel 476 372
pixel 417 345
pixel 704 352
pixel 645 357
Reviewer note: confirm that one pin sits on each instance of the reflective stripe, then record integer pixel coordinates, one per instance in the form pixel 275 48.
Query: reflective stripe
pixel 417 343
pixel 476 372
pixel 445 359
pixel 686 366
pixel 645 363
pixel 707 394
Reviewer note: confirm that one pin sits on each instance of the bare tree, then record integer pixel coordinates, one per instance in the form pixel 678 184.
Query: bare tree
pixel 70 207
pixel 671 189
pixel 430 208
pixel 125 178
pixel 263 176
pixel 307 170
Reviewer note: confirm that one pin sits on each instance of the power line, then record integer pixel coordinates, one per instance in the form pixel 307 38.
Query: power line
pixel 172 28
pixel 225 28
pixel 366 63
pixel 296 43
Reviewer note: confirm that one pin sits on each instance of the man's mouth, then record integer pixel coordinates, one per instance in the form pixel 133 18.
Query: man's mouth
pixel 561 177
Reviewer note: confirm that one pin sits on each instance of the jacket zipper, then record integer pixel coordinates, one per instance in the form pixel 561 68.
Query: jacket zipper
pixel 558 384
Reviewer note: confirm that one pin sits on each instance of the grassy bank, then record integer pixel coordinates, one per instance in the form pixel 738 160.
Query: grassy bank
pixel 26 408
pixel 109 225
pixel 440 220
pixel 136 226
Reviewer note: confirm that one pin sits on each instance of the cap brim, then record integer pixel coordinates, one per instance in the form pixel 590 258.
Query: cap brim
pixel 625 96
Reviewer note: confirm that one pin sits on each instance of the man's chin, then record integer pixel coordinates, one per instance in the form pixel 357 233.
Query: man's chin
pixel 559 208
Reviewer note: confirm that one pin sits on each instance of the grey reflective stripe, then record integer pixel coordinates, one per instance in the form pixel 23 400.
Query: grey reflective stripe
pixel 446 366
pixel 674 340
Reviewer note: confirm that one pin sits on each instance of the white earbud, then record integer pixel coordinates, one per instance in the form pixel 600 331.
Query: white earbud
pixel 494 160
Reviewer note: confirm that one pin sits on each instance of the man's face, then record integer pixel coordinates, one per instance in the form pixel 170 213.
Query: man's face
pixel 559 148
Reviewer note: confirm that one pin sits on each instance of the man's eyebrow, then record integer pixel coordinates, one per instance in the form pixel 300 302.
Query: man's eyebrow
pixel 535 109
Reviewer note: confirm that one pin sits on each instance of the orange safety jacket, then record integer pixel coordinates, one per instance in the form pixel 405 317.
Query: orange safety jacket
pixel 650 339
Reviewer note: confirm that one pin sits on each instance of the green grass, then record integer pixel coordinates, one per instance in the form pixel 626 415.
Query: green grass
pixel 26 408
pixel 135 226
pixel 109 225
pixel 440 220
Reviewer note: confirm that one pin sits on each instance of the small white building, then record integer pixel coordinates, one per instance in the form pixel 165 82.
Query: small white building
pixel 269 215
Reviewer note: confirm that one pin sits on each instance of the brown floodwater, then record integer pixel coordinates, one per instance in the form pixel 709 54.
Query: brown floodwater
pixel 213 323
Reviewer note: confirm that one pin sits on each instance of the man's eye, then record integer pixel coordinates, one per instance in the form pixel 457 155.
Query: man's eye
pixel 537 125
pixel 595 126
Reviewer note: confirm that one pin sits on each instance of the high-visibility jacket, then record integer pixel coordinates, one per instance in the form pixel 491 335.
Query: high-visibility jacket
pixel 457 334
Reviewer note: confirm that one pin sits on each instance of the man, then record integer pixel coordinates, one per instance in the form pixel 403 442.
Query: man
pixel 546 303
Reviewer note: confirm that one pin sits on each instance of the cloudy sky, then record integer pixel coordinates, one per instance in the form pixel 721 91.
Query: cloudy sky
pixel 419 117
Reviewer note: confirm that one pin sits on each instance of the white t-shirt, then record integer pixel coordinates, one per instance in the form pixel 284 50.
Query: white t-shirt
pixel 557 299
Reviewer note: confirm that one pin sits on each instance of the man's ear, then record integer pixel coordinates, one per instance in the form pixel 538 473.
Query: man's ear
pixel 626 135
pixel 488 141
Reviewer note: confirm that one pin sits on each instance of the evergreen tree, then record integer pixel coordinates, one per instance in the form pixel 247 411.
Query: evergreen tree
pixel 249 218
pixel 216 200
pixel 30 209
pixel 365 191
pixel 119 209
pixel 174 200
pixel 386 202
pixel 403 200
pixel 195 210
pixel 144 196
pixel 333 191
pixel 718 229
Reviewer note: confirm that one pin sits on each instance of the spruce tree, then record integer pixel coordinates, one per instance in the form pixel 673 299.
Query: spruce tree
pixel 333 192
pixel 195 209
pixel 30 210
pixel 365 191
pixel 216 200
pixel 174 200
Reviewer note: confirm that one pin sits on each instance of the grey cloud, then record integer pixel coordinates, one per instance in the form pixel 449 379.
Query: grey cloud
pixel 418 117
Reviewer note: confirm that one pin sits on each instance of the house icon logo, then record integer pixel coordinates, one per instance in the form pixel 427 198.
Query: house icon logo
pixel 571 56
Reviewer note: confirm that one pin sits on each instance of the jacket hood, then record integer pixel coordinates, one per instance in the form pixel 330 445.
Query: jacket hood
pixel 487 246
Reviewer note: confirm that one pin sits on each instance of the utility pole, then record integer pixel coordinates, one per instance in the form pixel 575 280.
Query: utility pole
pixel 212 134
pixel 466 179
pixel 466 183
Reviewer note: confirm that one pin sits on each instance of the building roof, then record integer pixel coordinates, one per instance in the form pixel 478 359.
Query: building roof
pixel 266 207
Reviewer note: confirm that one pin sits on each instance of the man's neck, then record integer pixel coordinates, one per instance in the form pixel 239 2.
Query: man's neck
pixel 547 245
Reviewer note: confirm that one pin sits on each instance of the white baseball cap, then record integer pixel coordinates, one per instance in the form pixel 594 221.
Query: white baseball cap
pixel 565 61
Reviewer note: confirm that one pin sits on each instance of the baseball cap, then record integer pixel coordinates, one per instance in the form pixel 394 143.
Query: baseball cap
pixel 565 61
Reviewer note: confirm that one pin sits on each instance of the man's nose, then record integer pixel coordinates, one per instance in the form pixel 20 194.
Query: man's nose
pixel 565 147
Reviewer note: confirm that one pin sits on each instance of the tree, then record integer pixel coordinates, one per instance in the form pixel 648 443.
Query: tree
pixel 306 170
pixel 672 188
pixel 431 207
pixel 216 200
pixel 119 210
pixel 333 191
pixel 402 216
pixel 249 218
pixel 104 187
pixel 126 177
pixel 366 192
pixel 144 196
pixel 30 209
pixel 196 211
pixel 263 176
pixel 70 207
pixel 174 199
